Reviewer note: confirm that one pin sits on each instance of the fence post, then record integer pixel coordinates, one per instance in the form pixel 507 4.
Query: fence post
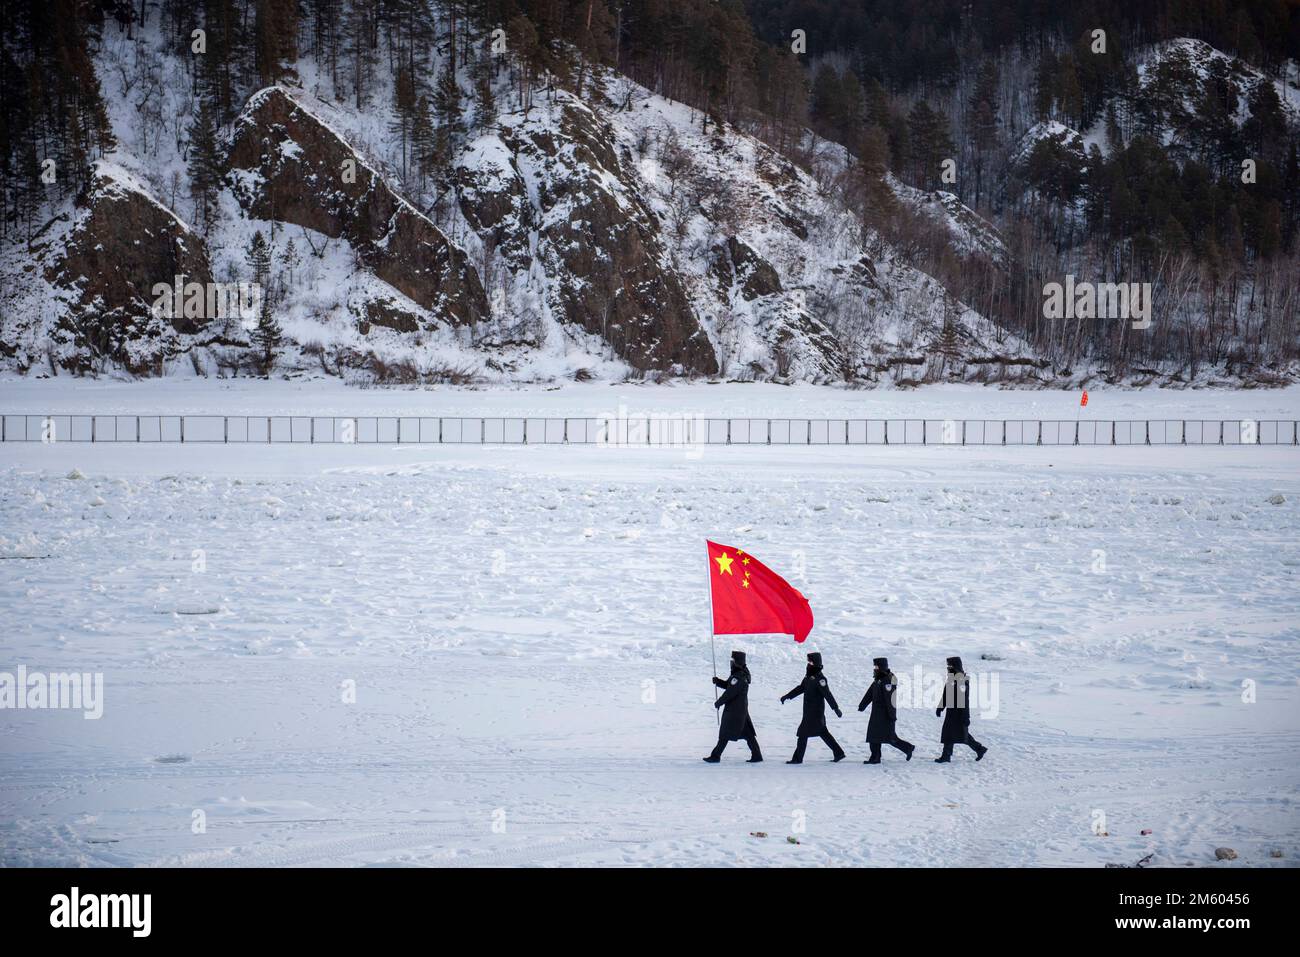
pixel 1220 431
pixel 963 431
pixel 182 428
pixel 311 430
pixel 1004 431
pixel 1146 432
pixel 647 430
pixel 769 431
pixel 525 430
pixel 807 432
pixel 566 431
pixel 1183 441
pixel 92 428
pixel 1040 432
pixel 925 440
pixel 225 430
pixel 886 431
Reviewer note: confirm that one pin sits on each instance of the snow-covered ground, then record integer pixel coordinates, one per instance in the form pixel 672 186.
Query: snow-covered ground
pixel 327 396
pixel 525 629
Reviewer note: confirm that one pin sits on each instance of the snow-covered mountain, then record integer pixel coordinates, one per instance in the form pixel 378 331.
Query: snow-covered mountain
pixel 598 236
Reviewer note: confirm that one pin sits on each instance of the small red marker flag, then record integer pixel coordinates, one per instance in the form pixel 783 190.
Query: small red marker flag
pixel 1084 400
pixel 750 599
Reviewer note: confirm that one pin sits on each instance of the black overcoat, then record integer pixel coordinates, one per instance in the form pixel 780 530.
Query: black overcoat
pixel 955 704
pixel 884 714
pixel 734 700
pixel 816 695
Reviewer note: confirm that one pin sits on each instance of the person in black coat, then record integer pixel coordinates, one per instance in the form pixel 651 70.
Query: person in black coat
pixel 816 694
pixel 734 702
pixel 884 713
pixel 956 723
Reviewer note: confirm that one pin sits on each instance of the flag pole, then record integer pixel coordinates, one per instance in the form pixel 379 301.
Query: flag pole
pixel 713 648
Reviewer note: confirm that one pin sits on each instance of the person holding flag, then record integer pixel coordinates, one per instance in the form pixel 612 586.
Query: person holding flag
pixel 816 693
pixel 747 598
pixel 734 702
pixel 884 713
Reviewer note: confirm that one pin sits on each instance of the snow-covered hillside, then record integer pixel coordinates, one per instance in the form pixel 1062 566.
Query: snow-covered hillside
pixel 595 237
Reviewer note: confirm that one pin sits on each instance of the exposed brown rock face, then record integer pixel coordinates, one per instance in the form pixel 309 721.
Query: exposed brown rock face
pixel 735 263
pixel 284 163
pixel 386 313
pixel 623 287
pixel 124 243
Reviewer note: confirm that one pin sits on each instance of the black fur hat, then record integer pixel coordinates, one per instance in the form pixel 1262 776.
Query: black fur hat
pixel 881 663
pixel 738 657
pixel 815 658
pixel 954 664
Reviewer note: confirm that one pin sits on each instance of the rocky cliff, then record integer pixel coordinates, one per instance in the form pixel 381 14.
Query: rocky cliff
pixel 607 235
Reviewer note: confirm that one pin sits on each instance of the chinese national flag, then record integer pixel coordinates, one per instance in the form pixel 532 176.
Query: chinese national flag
pixel 1084 400
pixel 749 598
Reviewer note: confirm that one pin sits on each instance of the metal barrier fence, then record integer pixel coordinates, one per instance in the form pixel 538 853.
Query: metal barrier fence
pixel 678 431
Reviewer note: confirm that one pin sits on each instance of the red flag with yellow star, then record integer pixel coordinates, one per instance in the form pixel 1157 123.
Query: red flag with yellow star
pixel 750 599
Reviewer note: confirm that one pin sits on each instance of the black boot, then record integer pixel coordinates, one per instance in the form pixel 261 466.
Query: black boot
pixel 712 760
pixel 793 761
pixel 838 758
pixel 943 760
pixel 755 759
pixel 981 752
pixel 872 761
pixel 910 749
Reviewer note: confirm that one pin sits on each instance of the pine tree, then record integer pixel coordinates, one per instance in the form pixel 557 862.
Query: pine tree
pixel 595 39
pixel 424 145
pixel 877 203
pixel 447 107
pixel 948 343
pixel 204 162
pixel 485 110
pixel 528 56
pixel 853 108
pixel 1070 92
pixel 1114 135
pixel 827 97
pixel 1045 85
pixel 224 56
pixel 276 38
pixel 404 105
pixel 983 108
pixel 258 256
pixel 267 337
pixel 290 260
pixel 931 143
